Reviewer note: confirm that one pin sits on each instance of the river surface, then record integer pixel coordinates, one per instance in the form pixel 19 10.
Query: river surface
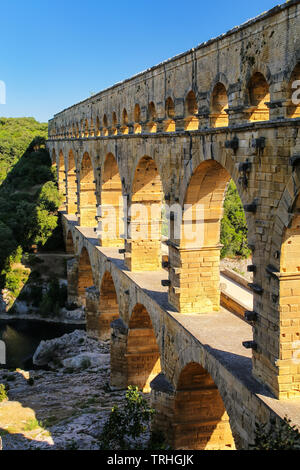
pixel 22 337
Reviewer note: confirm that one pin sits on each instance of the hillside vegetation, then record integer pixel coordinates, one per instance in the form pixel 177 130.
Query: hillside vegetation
pixel 29 198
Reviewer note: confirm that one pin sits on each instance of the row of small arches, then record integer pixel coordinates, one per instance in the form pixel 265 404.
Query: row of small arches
pixel 257 109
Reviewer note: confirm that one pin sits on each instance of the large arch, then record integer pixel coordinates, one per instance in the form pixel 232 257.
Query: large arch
pixel 112 222
pixel 143 358
pixel 294 95
pixel 61 172
pixel 88 208
pixel 200 418
pixel 70 247
pixel 194 250
pixel 108 306
pixel 53 159
pixel 289 305
pixel 71 185
pixel 143 248
pixel 85 276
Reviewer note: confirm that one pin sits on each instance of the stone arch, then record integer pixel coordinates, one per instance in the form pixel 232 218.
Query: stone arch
pixel 201 421
pixel 82 128
pixel 105 126
pixel 195 240
pixel 152 115
pixel 86 128
pixel 71 184
pixel 143 358
pixel 88 209
pixel 218 106
pixel 98 133
pixel 284 212
pixel 114 121
pixel 290 253
pixel 207 186
pixel 258 96
pixel 108 305
pixel 137 119
pixel 191 111
pixel 70 246
pixel 61 172
pixel 124 127
pixel 92 128
pixel 112 221
pixel 143 251
pixel 288 282
pixel 169 124
pixel 53 159
pixel 85 277
pixel 77 131
pixel 294 107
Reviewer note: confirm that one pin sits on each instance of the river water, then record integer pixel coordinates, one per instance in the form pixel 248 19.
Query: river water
pixel 22 337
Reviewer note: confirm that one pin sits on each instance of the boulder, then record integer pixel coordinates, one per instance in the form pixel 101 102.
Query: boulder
pixel 70 348
pixel 85 360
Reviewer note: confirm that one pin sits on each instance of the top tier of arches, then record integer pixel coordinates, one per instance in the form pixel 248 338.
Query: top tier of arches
pixel 190 112
pixel 245 75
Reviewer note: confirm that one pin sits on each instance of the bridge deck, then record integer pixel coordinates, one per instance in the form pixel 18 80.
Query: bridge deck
pixel 220 333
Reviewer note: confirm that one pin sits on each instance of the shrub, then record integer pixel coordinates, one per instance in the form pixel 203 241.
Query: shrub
pixel 32 424
pixel 13 282
pixel 276 436
pixel 36 295
pixel 126 428
pixel 3 394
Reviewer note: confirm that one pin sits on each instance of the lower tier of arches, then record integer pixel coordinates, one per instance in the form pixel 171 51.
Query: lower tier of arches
pixel 182 359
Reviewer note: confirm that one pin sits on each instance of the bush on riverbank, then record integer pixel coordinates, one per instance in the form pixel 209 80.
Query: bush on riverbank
pixel 128 428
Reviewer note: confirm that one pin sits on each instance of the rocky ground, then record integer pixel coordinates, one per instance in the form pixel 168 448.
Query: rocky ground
pixel 61 408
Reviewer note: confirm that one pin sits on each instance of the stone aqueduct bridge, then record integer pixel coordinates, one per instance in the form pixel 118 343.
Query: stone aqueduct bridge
pixel 179 131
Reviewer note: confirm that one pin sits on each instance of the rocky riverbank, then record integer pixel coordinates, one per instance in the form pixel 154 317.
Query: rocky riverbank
pixel 64 407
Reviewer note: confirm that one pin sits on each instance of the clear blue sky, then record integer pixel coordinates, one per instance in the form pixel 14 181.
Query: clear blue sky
pixel 56 52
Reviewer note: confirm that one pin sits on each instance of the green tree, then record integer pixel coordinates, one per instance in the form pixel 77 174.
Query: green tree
pixel 29 197
pixel 234 226
pixel 277 436
pixel 126 427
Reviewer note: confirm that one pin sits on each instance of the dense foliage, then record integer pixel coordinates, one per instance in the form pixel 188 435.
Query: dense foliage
pixel 129 428
pixel 277 436
pixel 15 136
pixel 49 301
pixel 29 197
pixel 234 226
